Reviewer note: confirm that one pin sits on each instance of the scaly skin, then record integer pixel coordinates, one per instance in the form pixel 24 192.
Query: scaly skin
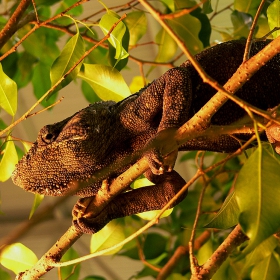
pixel 99 135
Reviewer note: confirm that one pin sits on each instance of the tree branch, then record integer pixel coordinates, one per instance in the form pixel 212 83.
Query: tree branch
pixel 12 25
pixel 234 239
pixel 54 254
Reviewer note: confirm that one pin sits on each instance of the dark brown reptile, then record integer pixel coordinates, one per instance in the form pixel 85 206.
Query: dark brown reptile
pixel 105 132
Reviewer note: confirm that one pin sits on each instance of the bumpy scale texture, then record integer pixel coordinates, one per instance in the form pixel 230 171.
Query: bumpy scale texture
pixel 99 135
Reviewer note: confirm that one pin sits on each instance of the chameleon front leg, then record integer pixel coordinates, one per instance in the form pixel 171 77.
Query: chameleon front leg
pixel 176 104
pixel 129 203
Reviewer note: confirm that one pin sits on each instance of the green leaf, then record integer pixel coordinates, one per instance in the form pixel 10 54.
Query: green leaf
pixel 176 276
pixel 258 198
pixel 4 275
pixel 17 257
pixel 8 93
pixel 94 278
pixel 241 24
pixel 116 37
pixel 264 250
pixel 136 22
pixel 150 250
pixel 118 64
pixel 226 271
pixel 24 71
pixel 207 7
pixel 26 145
pixel 66 4
pixel 205 251
pixel 165 42
pixel 187 28
pixel 98 56
pixel 70 272
pixel 89 93
pixel 70 55
pixel 38 198
pixel 45 49
pixel 110 235
pixel 273 15
pixel 137 83
pixel 263 28
pixel 106 81
pixel 169 5
pixel 9 64
pixel 267 269
pixel 158 259
pixel 206 28
pixel 248 7
pixel 8 161
pixel 228 214
pixel 41 83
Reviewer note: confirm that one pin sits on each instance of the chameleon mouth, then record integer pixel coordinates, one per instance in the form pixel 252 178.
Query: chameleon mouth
pixel 35 187
pixel 60 185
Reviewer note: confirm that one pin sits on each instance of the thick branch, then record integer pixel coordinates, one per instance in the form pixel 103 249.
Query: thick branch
pixel 12 25
pixel 235 239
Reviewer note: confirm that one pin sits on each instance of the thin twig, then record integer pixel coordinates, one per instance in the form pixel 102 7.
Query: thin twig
pixel 183 12
pixel 47 108
pixel 220 11
pixel 193 260
pixel 252 29
pixel 35 10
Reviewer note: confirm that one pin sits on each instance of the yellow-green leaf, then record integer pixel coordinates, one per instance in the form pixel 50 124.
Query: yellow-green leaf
pixel 273 15
pixel 106 81
pixel 38 198
pixel 258 197
pixel 110 235
pixel 267 269
pixel 248 7
pixel 26 145
pixel 136 23
pixel 70 272
pixel 227 216
pixel 116 36
pixel 70 55
pixel 187 28
pixel 9 160
pixel 165 42
pixel 8 93
pixel 17 257
pixel 137 83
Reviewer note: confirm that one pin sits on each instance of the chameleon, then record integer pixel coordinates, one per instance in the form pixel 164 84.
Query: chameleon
pixel 105 132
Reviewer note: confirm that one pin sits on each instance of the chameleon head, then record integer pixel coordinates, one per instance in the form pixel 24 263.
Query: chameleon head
pixel 65 152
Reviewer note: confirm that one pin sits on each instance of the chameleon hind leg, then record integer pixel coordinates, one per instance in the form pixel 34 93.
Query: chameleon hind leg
pixel 131 202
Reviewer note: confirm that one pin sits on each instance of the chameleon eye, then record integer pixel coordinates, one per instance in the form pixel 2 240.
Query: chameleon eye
pixel 48 138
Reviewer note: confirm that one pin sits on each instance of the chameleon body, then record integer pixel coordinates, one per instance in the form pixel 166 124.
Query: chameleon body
pixel 105 132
